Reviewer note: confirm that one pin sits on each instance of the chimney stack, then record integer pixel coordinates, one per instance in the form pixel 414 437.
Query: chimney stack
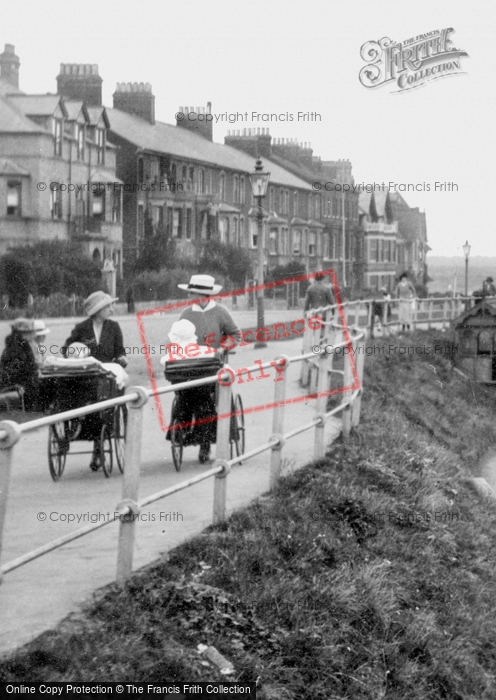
pixel 80 81
pixel 197 119
pixel 9 66
pixel 137 99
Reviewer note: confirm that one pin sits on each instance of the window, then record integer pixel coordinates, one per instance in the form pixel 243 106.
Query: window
pixel 13 199
pixel 201 182
pixel 235 232
pixel 184 174
pixel 273 242
pixel 57 136
pixel 295 203
pixel 188 223
pixel 222 187
pixel 310 207
pixel 312 243
pixel 271 199
pixel 485 343
pixel 224 229
pixel 241 231
pixel 281 201
pixel 191 179
pixel 141 222
pixel 156 216
pixel 373 251
pixel 116 206
pixel 155 169
pixel 325 252
pixel 99 203
pixel 177 223
pixel 56 204
pixel 236 189
pixel 100 146
pixel 253 234
pixel 141 171
pixel 241 190
pixel 80 141
pixel 296 242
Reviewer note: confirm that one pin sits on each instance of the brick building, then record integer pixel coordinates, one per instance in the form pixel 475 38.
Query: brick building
pixel 54 163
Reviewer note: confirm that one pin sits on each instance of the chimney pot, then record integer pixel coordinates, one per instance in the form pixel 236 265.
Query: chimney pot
pixel 209 107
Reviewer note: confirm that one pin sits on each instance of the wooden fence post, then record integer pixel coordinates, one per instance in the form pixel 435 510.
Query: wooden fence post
pixel 223 444
pixel 130 484
pixel 278 420
pixel 322 387
pixel 6 454
pixel 347 382
pixel 360 363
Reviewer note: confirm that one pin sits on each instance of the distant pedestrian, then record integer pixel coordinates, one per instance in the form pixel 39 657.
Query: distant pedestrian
pixel 131 308
pixel 405 292
pixel 318 294
pixel 488 288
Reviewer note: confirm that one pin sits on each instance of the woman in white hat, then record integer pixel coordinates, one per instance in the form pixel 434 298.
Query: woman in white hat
pixel 102 336
pixel 215 328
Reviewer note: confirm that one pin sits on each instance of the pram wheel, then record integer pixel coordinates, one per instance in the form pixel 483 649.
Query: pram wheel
pixel 58 447
pixel 106 456
pixel 120 419
pixel 176 439
pixel 237 428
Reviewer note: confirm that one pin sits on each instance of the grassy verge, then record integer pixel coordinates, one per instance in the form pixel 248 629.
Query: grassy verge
pixel 369 574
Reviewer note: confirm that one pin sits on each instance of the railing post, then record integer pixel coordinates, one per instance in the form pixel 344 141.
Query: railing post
pixel 370 318
pixel 445 314
pixel 130 483
pixel 222 451
pixel 360 363
pixel 347 381
pixel 307 344
pixel 322 387
pixel 278 419
pixel 429 312
pixel 357 314
pixel 6 453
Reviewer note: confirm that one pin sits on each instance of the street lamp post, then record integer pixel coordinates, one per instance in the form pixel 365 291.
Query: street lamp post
pixel 466 252
pixel 259 181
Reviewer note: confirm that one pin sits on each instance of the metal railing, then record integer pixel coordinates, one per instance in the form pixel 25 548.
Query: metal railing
pixel 136 398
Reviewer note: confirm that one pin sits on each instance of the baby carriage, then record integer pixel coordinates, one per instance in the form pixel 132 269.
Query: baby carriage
pixel 194 411
pixel 79 384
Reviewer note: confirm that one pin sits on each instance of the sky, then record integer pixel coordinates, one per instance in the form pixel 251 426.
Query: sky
pixel 284 57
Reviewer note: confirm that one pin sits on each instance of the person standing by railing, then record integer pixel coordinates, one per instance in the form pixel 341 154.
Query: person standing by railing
pixel 405 292
pixel 318 294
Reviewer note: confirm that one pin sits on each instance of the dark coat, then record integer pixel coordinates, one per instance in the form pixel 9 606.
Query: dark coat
pixel 111 344
pixel 18 366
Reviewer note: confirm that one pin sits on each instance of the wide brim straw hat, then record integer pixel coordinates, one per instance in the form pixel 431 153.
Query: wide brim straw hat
pixel 201 284
pixel 97 301
pixel 24 325
pixel 183 332
pixel 40 328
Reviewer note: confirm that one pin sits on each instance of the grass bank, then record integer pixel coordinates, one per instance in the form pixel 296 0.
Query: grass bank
pixel 366 575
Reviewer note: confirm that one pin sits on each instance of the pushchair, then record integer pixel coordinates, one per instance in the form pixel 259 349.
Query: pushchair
pixel 75 387
pixel 183 433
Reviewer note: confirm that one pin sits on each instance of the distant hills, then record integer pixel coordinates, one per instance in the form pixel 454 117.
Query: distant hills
pixel 442 270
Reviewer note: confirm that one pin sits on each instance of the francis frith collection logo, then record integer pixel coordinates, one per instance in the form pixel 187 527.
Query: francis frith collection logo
pixel 412 63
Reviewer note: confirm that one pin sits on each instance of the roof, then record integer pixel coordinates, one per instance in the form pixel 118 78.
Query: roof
pixel 38 105
pixel 481 309
pixel 74 109
pixel 364 201
pixel 10 167
pixel 99 176
pixel 96 114
pixel 12 120
pixel 182 143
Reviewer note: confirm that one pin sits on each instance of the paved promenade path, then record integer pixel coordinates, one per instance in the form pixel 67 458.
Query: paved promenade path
pixel 39 594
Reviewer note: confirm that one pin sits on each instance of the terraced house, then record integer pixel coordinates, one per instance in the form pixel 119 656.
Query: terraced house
pixel 55 162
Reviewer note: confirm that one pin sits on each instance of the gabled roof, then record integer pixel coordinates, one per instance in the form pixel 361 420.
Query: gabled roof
pixel 39 105
pixel 75 109
pixel 364 202
pixel 297 169
pixel 482 308
pixel 13 121
pixel 181 143
pixel 97 114
pixel 10 167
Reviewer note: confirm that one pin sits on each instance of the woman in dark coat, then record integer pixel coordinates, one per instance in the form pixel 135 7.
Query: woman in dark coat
pixel 103 337
pixel 18 364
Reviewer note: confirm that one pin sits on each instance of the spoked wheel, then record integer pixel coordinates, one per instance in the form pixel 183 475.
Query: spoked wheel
pixel 106 454
pixel 58 447
pixel 120 424
pixel 176 441
pixel 237 428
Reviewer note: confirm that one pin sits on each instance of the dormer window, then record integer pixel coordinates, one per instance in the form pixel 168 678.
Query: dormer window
pixel 57 136
pixel 13 199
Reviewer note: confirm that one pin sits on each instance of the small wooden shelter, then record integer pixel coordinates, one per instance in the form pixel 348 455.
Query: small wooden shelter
pixel 475 339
